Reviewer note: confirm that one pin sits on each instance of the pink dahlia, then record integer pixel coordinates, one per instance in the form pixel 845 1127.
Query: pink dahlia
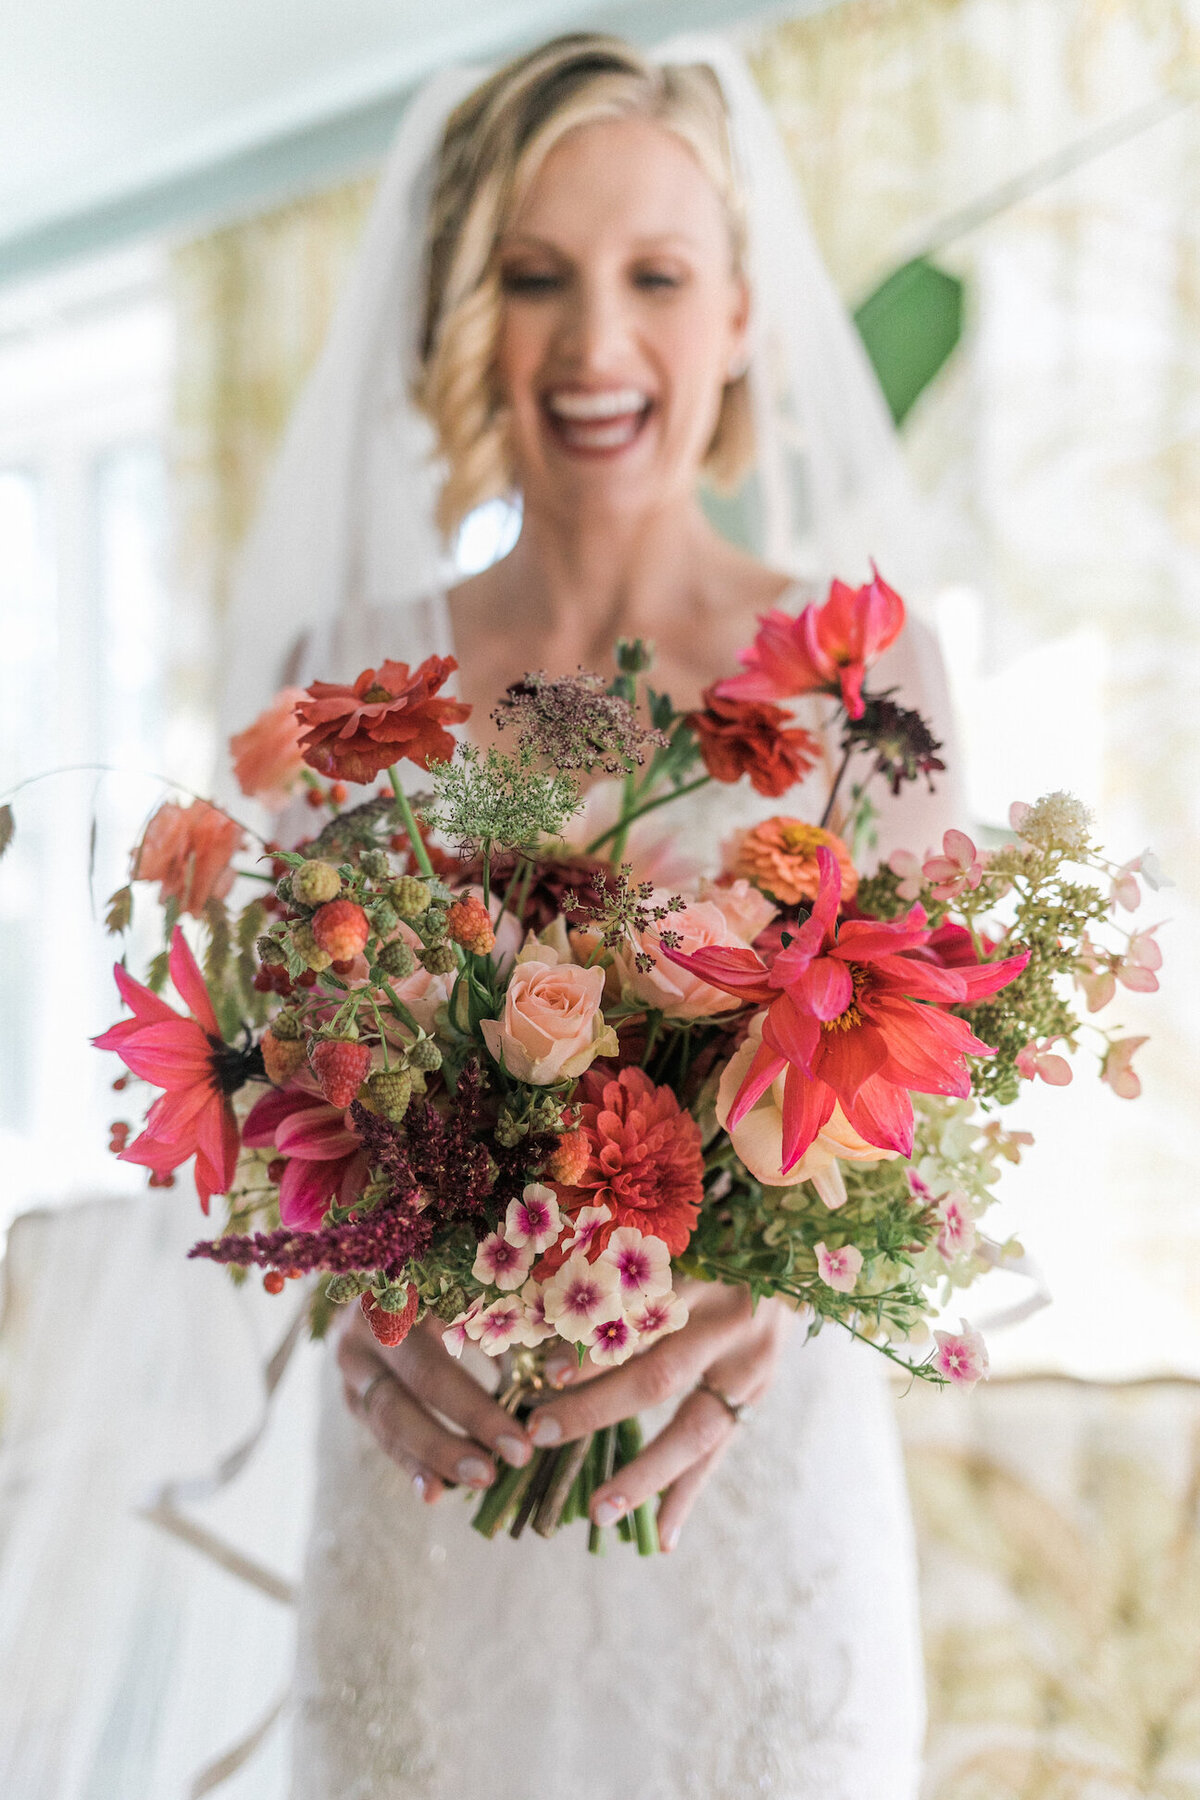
pixel 644 1162
pixel 826 649
pixel 197 1070
pixel 325 1159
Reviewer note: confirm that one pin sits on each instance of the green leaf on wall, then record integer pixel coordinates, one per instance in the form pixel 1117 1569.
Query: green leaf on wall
pixel 909 326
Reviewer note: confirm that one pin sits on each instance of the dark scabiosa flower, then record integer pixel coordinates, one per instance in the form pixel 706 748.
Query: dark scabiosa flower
pixel 903 744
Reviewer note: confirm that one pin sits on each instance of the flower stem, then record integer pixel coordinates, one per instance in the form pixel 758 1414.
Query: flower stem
pixel 833 792
pixel 504 1493
pixel 621 829
pixel 410 825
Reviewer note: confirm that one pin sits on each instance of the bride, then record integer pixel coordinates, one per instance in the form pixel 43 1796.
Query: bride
pixel 587 283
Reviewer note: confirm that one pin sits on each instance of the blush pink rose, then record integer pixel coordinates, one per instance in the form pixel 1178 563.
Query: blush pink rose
pixel 676 992
pixel 553 1026
pixel 758 1137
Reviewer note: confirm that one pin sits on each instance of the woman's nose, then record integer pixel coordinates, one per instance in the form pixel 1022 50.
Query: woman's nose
pixel 597 329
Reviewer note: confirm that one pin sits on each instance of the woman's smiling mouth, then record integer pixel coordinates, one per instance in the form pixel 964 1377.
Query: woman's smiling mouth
pixel 597 422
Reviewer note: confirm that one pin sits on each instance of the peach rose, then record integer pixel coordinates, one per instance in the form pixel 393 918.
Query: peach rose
pixel 186 849
pixel 676 992
pixel 266 756
pixel 758 1138
pixel 552 1026
pixel 746 910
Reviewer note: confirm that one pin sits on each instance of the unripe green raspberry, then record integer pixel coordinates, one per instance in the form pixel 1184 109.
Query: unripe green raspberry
pixel 451 1303
pixel 396 959
pixel 391 1091
pixel 270 951
pixel 316 883
pixel 424 1054
pixel 375 864
pixel 418 1080
pixel 342 1288
pixel 283 891
pixel 393 1299
pixel 307 947
pixel 287 1027
pixel 384 918
pixel 433 926
pixel 439 959
pixel 410 896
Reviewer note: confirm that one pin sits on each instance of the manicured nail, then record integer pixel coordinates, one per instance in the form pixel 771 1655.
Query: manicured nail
pixel 668 1540
pixel 514 1450
pixel 475 1472
pixel 544 1431
pixel 561 1371
pixel 609 1511
pixel 421 1485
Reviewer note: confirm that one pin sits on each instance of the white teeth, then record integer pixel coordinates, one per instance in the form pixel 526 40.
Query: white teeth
pixel 602 437
pixel 616 403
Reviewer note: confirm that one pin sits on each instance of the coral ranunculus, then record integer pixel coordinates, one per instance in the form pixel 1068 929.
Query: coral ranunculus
pixel 853 1020
pixel 826 649
pixel 755 738
pixel 645 1163
pixel 266 756
pixel 780 857
pixel 187 1058
pixel 388 715
pixel 186 849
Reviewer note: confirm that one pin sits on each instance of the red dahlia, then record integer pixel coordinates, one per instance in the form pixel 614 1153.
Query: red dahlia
pixel 755 738
pixel 388 715
pixel 644 1160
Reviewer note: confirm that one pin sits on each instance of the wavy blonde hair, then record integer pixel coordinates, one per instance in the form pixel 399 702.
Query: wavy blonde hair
pixel 494 143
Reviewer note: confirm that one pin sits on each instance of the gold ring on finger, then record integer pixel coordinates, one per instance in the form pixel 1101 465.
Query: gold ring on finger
pixel 740 1413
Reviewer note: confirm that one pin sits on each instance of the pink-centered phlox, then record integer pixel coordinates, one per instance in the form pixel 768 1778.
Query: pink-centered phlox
pixel 961 1355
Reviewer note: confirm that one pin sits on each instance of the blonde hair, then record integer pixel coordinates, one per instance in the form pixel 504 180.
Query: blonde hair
pixel 494 143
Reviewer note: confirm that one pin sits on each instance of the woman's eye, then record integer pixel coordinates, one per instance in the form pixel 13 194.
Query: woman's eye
pixel 656 280
pixel 530 281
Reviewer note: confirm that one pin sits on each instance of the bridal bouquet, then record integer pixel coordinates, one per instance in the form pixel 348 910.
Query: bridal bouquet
pixel 456 1064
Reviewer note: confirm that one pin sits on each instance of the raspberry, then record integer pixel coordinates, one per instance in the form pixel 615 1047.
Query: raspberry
pixel 338 793
pixel 308 979
pixel 439 959
pixel 433 926
pixel 275 1168
pixel 316 882
pixel 273 1281
pixel 391 1328
pixel 396 959
pixel 315 797
pixel 468 924
pixel 341 928
pixel 120 1084
pixel 425 1055
pixel 391 1091
pixel 346 967
pixel 569 1161
pixel 283 891
pixel 287 1027
pixel 342 1288
pixel 305 944
pixel 281 1057
pixel 270 952
pixel 340 1066
pixel 374 863
pixel 410 896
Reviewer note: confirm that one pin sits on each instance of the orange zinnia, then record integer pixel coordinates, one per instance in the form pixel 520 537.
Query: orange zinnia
pixel 780 857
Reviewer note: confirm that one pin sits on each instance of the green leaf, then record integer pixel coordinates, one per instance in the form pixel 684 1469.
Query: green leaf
pixel 120 911
pixel 8 828
pixel 909 327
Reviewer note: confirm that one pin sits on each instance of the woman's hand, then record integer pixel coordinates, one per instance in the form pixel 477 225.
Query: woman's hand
pixel 725 1343
pixel 401 1392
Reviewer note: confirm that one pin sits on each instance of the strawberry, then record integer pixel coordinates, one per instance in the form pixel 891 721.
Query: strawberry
pixel 341 929
pixel 340 1066
pixel 390 1328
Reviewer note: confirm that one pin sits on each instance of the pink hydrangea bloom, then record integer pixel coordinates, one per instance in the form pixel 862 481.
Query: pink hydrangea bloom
pixel 502 1262
pixel 907 866
pixel 961 1355
pixel 1118 1068
pixel 643 1264
pixel 1040 1060
pixel 1125 891
pixel 960 866
pixel 839 1269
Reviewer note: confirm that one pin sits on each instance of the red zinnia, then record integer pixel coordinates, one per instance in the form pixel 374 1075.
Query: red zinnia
pixel 644 1161
pixel 755 738
pixel 855 1018
pixel 188 1059
pixel 351 733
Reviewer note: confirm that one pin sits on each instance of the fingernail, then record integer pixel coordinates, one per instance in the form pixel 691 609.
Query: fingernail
pixel 668 1540
pixel 560 1372
pixel 514 1450
pixel 421 1485
pixel 609 1511
pixel 545 1432
pixel 475 1472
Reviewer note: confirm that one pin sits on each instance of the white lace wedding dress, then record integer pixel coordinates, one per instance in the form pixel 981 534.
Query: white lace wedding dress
pixel 774 1653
